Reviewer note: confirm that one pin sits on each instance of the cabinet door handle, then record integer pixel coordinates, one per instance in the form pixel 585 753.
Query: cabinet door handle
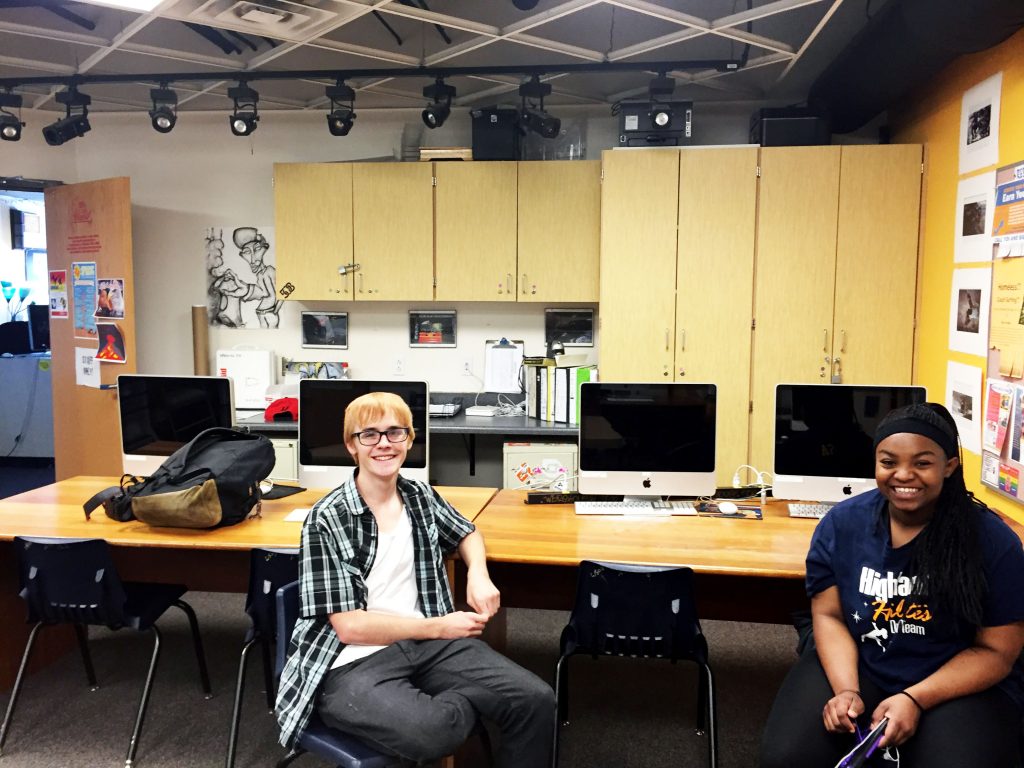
pixel 508 284
pixel 824 345
pixel 524 283
pixel 842 343
pixel 666 341
pixel 360 282
pixel 682 340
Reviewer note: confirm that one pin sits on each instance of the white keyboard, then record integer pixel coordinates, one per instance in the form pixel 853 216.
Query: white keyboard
pixel 809 510
pixel 638 508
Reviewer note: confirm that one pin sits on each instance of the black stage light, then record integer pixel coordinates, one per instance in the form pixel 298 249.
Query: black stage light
pixel 342 115
pixel 436 113
pixel 10 124
pixel 532 115
pixel 539 121
pixel 165 109
pixel 244 116
pixel 75 123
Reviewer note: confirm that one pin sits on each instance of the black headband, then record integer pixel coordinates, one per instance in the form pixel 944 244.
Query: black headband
pixel 945 440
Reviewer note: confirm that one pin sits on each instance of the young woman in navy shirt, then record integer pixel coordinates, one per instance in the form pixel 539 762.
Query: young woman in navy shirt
pixel 917 601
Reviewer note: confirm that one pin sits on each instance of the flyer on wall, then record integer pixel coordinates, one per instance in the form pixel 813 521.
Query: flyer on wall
pixel 58 293
pixel 1008 215
pixel 83 294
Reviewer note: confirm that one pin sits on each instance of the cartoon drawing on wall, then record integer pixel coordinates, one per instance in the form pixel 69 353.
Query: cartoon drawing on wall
pixel 241 280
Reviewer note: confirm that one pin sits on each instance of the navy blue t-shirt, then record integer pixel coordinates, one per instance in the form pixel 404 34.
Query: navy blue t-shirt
pixel 903 636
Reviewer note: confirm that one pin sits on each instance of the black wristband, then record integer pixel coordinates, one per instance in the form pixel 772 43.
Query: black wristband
pixel 916 702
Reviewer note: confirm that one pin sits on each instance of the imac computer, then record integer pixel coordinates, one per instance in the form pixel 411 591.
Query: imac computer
pixel 324 461
pixel 159 414
pixel 647 440
pixel 824 436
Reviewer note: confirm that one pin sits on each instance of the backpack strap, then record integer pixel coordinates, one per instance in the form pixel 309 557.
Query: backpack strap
pixel 108 493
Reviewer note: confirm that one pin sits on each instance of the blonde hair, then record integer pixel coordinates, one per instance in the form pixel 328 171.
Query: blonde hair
pixel 372 407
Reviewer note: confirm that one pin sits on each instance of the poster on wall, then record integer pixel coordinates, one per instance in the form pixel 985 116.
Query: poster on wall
pixel 979 125
pixel 1006 325
pixel 968 313
pixel 972 236
pixel 111 347
pixel 110 298
pixel 83 296
pixel 58 293
pixel 963 399
pixel 1007 223
pixel 241 277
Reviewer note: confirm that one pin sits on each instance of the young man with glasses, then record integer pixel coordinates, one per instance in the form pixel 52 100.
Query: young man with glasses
pixel 378 650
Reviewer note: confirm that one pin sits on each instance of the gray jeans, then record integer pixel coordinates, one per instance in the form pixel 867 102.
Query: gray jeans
pixel 420 700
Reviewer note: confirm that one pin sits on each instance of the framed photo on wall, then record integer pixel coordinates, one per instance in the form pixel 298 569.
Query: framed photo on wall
pixel 325 330
pixel 432 328
pixel 571 327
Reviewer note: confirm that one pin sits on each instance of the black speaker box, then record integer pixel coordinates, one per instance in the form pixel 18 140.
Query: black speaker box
pixel 789 127
pixel 14 338
pixel 17 228
pixel 39 327
pixel 496 134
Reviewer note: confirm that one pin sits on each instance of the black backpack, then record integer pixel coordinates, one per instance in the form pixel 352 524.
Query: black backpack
pixel 211 481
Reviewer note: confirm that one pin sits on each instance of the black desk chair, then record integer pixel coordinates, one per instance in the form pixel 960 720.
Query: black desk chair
pixel 636 611
pixel 67 581
pixel 341 749
pixel 269 570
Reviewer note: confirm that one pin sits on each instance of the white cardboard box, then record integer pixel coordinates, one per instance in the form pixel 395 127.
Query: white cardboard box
pixel 540 466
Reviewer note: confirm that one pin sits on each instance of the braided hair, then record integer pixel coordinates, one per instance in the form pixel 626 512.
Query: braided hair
pixel 947 560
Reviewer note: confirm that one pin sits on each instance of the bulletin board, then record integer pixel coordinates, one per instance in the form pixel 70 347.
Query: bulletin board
pixel 1002 467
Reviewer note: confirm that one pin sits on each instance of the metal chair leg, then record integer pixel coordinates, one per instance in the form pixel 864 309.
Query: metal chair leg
pixel 197 641
pixel 268 673
pixel 712 719
pixel 83 645
pixel 702 698
pixel 561 703
pixel 236 712
pixel 288 759
pixel 133 745
pixel 17 685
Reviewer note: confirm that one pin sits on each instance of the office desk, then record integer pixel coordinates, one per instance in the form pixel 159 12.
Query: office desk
pixel 750 570
pixel 215 560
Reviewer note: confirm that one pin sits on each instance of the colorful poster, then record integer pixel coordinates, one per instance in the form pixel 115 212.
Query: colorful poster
pixel 110 298
pixel 111 347
pixel 58 293
pixel 83 294
pixel 1009 479
pixel 997 414
pixel 1008 216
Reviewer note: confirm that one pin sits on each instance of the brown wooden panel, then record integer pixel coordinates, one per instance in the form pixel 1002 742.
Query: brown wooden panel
pixel 91 221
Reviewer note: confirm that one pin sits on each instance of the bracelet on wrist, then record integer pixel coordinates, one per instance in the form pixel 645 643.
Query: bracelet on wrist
pixel 916 702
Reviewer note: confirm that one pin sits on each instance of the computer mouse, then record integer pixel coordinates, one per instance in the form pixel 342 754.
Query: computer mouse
pixel 727 508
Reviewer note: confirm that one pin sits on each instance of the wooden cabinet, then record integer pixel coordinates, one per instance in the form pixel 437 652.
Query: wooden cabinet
pixel 393 231
pixel 836 272
pixel 313 227
pixel 475 231
pixel 639 205
pixel 677 261
pixel 559 225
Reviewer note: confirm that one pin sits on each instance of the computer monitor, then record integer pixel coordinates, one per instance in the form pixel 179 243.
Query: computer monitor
pixel 824 435
pixel 324 461
pixel 647 439
pixel 159 414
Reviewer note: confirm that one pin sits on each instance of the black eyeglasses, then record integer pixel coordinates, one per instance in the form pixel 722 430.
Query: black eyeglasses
pixel 371 437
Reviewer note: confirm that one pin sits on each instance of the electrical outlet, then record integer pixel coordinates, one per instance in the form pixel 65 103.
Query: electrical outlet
pixel 467 367
pixel 399 367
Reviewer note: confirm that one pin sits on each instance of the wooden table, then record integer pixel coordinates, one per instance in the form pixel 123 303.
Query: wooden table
pixel 214 560
pixel 751 570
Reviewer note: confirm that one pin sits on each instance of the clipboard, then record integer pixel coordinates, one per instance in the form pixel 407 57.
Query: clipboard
pixel 502 361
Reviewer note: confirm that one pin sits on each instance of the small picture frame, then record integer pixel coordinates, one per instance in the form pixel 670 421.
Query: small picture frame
pixel 432 328
pixel 571 327
pixel 325 330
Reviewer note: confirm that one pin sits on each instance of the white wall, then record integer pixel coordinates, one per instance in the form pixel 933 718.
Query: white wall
pixel 200 175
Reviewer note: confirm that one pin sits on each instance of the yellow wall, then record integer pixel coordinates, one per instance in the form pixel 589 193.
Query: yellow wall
pixel 933 119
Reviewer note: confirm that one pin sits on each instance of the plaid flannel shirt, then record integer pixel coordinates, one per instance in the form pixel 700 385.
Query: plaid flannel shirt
pixel 339 543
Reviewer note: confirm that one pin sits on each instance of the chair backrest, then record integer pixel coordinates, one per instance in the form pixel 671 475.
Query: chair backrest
pixel 70 580
pixel 269 570
pixel 635 611
pixel 287 614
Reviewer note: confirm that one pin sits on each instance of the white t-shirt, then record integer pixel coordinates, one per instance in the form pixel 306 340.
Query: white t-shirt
pixel 390 585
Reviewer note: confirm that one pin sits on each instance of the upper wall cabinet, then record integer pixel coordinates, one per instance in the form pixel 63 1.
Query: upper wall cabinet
pixel 313 221
pixel 559 230
pixel 393 231
pixel 475 231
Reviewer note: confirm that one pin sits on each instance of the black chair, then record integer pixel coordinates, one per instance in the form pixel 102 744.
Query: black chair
pixel 269 570
pixel 68 581
pixel 636 611
pixel 341 749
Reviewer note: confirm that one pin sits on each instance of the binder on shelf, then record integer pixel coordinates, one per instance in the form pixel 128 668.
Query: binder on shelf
pixel 579 377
